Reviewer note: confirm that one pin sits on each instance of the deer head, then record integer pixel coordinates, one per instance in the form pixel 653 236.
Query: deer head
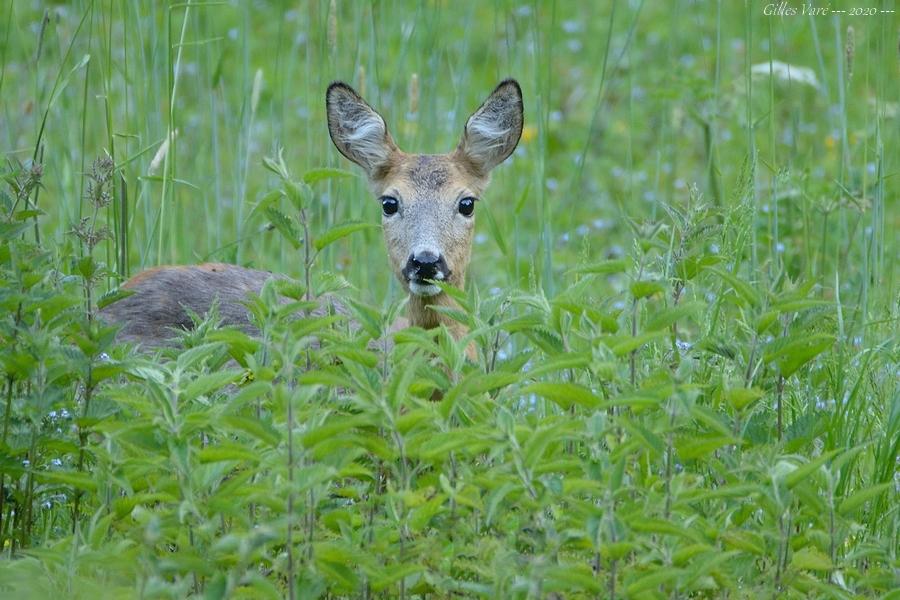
pixel 428 201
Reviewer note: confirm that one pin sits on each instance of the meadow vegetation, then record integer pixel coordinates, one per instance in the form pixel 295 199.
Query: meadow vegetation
pixel 683 294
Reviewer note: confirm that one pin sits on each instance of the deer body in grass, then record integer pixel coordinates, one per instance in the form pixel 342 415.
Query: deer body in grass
pixel 427 203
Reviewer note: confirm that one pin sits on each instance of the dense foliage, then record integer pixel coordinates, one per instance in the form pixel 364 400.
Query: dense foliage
pixel 681 389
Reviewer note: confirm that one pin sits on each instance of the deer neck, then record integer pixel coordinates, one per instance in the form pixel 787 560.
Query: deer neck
pixel 422 314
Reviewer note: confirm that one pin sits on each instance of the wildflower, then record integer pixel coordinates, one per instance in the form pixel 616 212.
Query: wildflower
pixel 786 73
pixel 529 132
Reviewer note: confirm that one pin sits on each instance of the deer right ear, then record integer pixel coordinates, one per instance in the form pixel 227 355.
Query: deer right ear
pixel 493 131
pixel 356 129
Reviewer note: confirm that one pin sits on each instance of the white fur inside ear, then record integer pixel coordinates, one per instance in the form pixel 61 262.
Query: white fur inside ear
pixel 357 130
pixel 492 133
pixel 365 139
pixel 485 137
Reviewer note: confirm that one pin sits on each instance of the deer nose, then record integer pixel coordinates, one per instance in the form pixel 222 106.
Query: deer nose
pixel 426 264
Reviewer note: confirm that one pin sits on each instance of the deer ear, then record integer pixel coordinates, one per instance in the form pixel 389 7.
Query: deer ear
pixel 493 131
pixel 356 129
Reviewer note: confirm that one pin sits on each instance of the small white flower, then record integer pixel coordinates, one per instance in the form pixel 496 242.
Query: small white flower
pixel 785 72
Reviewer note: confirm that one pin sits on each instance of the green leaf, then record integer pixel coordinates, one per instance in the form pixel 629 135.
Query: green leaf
pixel 86 266
pixel 857 499
pixel 81 481
pixel 811 559
pixel 341 231
pixel 645 524
pixel 394 573
pixel 666 575
pixel 803 471
pixel 740 398
pixel 622 345
pixel 421 516
pixel 743 289
pixel 604 267
pixel 791 353
pixel 477 383
pixel 260 430
pixel 317 175
pixel 574 360
pixel 23 215
pixel 748 541
pixel 113 296
pixel 565 395
pixel 568 578
pixel 227 452
pixel 284 225
pixel 688 268
pixel 266 202
pixel 210 382
pixel 697 445
pixel 645 289
pixel 666 317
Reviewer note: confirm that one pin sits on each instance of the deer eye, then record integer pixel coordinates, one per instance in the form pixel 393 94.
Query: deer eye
pixel 467 206
pixel 389 205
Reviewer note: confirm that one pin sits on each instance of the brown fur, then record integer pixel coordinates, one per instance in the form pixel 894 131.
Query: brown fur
pixel 428 187
pixel 163 295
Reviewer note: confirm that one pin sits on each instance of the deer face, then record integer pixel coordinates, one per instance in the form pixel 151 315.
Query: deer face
pixel 428 201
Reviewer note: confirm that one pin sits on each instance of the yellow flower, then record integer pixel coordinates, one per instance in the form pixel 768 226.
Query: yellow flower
pixel 529 132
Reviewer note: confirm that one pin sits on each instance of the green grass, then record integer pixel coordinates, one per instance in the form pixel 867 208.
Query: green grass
pixel 684 295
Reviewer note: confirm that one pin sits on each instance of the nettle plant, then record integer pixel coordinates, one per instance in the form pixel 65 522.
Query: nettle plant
pixel 646 432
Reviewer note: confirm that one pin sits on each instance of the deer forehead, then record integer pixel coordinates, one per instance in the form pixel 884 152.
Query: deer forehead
pixel 430 178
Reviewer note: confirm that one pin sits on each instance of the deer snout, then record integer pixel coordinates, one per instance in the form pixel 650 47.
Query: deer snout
pixel 422 266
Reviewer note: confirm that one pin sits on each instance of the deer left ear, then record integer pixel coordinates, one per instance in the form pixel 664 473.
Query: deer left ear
pixel 357 129
pixel 493 131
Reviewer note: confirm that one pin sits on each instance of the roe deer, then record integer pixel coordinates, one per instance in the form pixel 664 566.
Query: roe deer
pixel 427 202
